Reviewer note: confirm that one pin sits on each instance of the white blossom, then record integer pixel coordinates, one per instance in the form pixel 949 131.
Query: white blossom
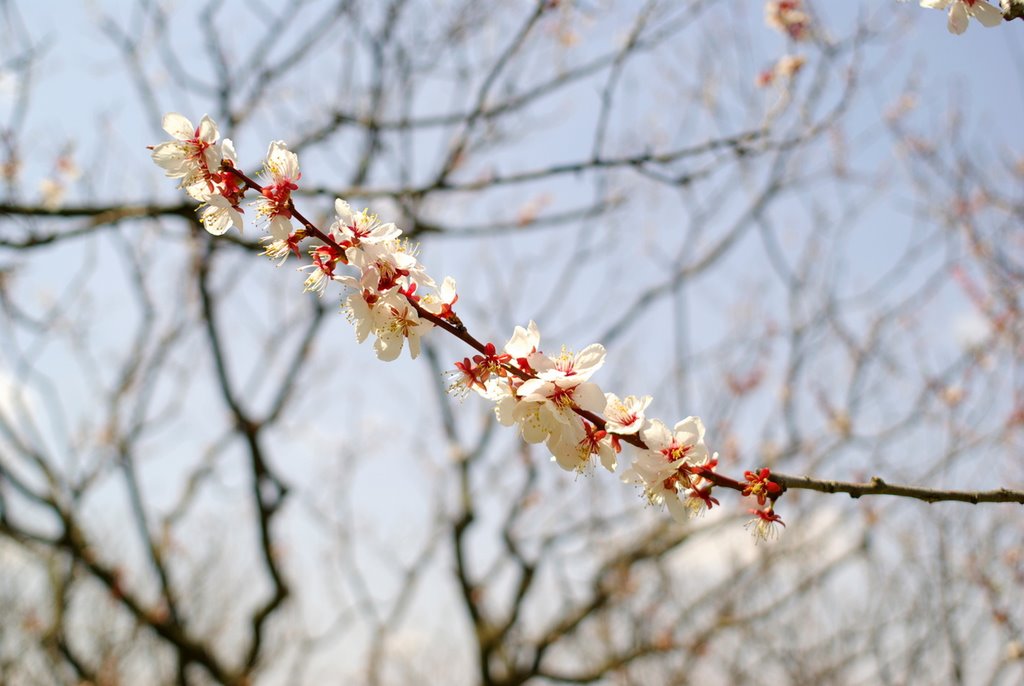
pixel 960 12
pixel 193 156
pixel 626 416
pixel 282 165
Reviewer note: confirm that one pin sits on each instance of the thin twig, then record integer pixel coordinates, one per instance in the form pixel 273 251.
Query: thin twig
pixel 879 487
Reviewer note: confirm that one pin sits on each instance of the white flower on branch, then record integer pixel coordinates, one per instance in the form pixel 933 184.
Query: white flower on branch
pixel 282 165
pixel 193 156
pixel 960 12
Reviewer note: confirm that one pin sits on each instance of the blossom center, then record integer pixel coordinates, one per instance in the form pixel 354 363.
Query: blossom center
pixel 675 452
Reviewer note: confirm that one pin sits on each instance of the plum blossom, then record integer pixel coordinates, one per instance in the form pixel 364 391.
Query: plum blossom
pixel 699 500
pixel 760 486
pixel 560 399
pixel 468 376
pixel 573 368
pixel 358 306
pixel 473 374
pixel 281 249
pixel 576 443
pixel 394 262
pixel 684 442
pixel 561 387
pixel 325 259
pixel 698 497
pixel 960 12
pixel 282 165
pixel 524 342
pixel 222 209
pixel 659 481
pixel 672 463
pixel 193 156
pixel 442 300
pixel 219 215
pixel 626 416
pixel 351 229
pixel 384 301
pixel 196 157
pixel 395 321
pixel 763 525
pixel 510 410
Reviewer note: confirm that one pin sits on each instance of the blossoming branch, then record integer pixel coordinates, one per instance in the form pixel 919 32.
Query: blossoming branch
pixel 550 399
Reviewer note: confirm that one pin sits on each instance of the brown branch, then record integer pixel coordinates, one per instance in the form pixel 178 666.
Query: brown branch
pixel 95 216
pixel 189 649
pixel 742 144
pixel 267 488
pixel 879 487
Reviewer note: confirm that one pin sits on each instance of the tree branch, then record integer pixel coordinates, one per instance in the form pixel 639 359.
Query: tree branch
pixel 879 487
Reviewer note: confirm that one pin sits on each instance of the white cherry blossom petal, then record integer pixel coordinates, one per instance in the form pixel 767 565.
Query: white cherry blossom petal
pixel 178 126
pixel 958 18
pixel 987 14
pixel 589 397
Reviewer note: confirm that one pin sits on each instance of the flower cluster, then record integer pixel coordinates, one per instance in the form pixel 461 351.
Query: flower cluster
pixel 550 399
pixel 196 157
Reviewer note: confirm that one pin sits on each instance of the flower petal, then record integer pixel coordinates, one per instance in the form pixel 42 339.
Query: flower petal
pixel 676 508
pixel 590 358
pixel 388 346
pixel 343 210
pixel 207 130
pixel 987 14
pixel 542 388
pixel 216 222
pixel 280 227
pixel 656 435
pixel 958 18
pixel 170 156
pixel 589 396
pixel 691 425
pixel 227 149
pixel 178 126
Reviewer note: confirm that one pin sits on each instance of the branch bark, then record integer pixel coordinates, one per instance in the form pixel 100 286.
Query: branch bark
pixel 878 486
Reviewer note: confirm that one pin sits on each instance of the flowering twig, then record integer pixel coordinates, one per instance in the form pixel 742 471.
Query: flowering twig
pixel 550 399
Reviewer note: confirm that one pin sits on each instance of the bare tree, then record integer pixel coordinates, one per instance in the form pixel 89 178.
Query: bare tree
pixel 204 479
